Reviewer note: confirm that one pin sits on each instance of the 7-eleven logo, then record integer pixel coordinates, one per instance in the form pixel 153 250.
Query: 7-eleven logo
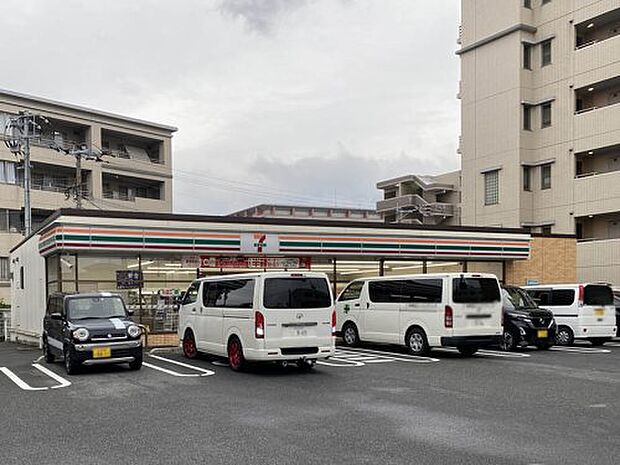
pixel 260 242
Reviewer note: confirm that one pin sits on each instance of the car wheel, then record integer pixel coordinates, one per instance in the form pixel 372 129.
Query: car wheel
pixel 137 362
pixel 49 357
pixel 350 336
pixel 417 344
pixel 564 336
pixel 71 366
pixel 236 359
pixel 189 344
pixel 508 341
pixel 467 351
pixel 598 341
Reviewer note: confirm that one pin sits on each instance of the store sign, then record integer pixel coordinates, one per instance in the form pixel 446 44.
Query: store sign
pixel 128 279
pixel 260 243
pixel 255 262
pixel 190 261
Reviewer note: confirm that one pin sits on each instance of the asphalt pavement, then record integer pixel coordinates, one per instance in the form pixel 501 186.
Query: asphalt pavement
pixel 372 405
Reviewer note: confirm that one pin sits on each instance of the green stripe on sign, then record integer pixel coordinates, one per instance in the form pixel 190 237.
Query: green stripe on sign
pixel 374 245
pixel 115 239
pixel 417 246
pixel 299 244
pixel 167 240
pixel 348 245
pixel 218 242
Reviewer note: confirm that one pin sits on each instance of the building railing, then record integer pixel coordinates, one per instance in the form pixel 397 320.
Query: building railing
pixel 115 195
pixel 414 202
pixel 589 109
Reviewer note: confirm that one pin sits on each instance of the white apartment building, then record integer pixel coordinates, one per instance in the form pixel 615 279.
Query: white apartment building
pixel 135 174
pixel 306 212
pixel 540 104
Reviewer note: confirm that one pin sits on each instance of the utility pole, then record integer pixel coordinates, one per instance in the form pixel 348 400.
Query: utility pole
pixel 78 181
pixel 27 206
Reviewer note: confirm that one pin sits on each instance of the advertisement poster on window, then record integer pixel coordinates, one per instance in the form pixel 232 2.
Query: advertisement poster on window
pixel 128 279
pixel 256 262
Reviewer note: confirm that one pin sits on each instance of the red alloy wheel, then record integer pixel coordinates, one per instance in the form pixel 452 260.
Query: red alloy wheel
pixel 235 354
pixel 189 346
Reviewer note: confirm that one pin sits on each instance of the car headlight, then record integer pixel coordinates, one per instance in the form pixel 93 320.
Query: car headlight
pixel 81 334
pixel 134 331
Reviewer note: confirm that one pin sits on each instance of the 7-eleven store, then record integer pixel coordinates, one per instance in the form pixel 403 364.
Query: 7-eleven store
pixel 149 258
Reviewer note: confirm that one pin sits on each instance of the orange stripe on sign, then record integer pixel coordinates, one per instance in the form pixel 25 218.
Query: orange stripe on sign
pixel 129 232
pixel 398 240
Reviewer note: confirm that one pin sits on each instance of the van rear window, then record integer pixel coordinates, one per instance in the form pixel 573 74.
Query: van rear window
pixel 475 290
pixel 296 293
pixel 598 295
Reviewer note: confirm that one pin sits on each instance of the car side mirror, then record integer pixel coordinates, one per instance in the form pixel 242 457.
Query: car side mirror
pixel 130 312
pixel 56 316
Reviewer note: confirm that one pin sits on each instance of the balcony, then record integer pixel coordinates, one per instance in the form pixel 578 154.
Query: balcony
pixel 595 119
pixel 131 147
pixel 598 161
pixel 598 95
pixel 598 29
pixel 127 189
pixel 597 194
pixel 414 203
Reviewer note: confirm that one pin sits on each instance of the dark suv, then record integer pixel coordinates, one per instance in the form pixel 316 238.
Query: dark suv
pixel 524 322
pixel 90 329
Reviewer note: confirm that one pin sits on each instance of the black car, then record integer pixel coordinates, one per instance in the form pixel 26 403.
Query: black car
pixel 90 329
pixel 524 322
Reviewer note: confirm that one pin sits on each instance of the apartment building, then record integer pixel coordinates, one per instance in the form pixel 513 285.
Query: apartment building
pixel 301 212
pixel 540 104
pixel 416 199
pixel 135 174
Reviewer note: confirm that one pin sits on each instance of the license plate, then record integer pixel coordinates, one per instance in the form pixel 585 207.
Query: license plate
pixel 599 311
pixel 102 352
pixel 543 333
pixel 301 332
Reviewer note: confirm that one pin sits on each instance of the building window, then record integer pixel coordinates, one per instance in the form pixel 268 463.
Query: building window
pixel 4 268
pixel 7 172
pixel 546 230
pixel 527 56
pixel 579 230
pixel 527 4
pixel 544 2
pixel 545 176
pixel 491 187
pixel 527 117
pixel 545 53
pixel 527 178
pixel 545 115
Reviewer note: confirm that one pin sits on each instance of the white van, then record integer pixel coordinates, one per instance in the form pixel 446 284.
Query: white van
pixel 581 311
pixel 462 310
pixel 279 316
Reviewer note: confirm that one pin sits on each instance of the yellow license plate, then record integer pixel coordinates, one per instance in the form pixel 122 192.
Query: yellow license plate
pixel 542 333
pixel 599 311
pixel 102 352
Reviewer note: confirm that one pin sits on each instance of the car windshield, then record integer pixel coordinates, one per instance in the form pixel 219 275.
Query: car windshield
pixel 516 298
pixel 475 290
pixel 80 308
pixel 296 293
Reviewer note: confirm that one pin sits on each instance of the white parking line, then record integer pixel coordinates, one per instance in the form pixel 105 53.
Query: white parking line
pixel 202 371
pixel 488 353
pixel 580 350
pixel 343 363
pixel 62 383
pixel 390 355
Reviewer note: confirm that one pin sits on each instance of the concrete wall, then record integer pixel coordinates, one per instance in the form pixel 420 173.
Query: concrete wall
pixel 599 261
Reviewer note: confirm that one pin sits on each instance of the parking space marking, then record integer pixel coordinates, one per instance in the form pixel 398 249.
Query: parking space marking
pixel 352 357
pixel 201 371
pixel 487 353
pixel 390 355
pixel 62 383
pixel 580 350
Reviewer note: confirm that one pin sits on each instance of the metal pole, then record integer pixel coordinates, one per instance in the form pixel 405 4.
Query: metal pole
pixel 78 181
pixel 335 278
pixel 27 208
pixel 381 267
pixel 424 266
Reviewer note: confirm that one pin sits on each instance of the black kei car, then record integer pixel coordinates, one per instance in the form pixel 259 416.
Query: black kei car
pixel 524 322
pixel 90 329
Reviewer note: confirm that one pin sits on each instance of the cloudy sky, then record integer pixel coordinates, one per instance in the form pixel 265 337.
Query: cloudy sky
pixel 276 101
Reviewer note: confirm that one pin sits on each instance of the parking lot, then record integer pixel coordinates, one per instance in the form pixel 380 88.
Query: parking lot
pixel 375 404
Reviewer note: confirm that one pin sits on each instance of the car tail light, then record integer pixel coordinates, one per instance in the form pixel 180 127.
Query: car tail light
pixel 333 322
pixel 259 325
pixel 448 317
pixel 582 293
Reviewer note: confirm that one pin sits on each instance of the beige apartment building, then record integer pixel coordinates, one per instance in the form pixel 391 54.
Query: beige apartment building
pixel 309 212
pixel 418 199
pixel 135 174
